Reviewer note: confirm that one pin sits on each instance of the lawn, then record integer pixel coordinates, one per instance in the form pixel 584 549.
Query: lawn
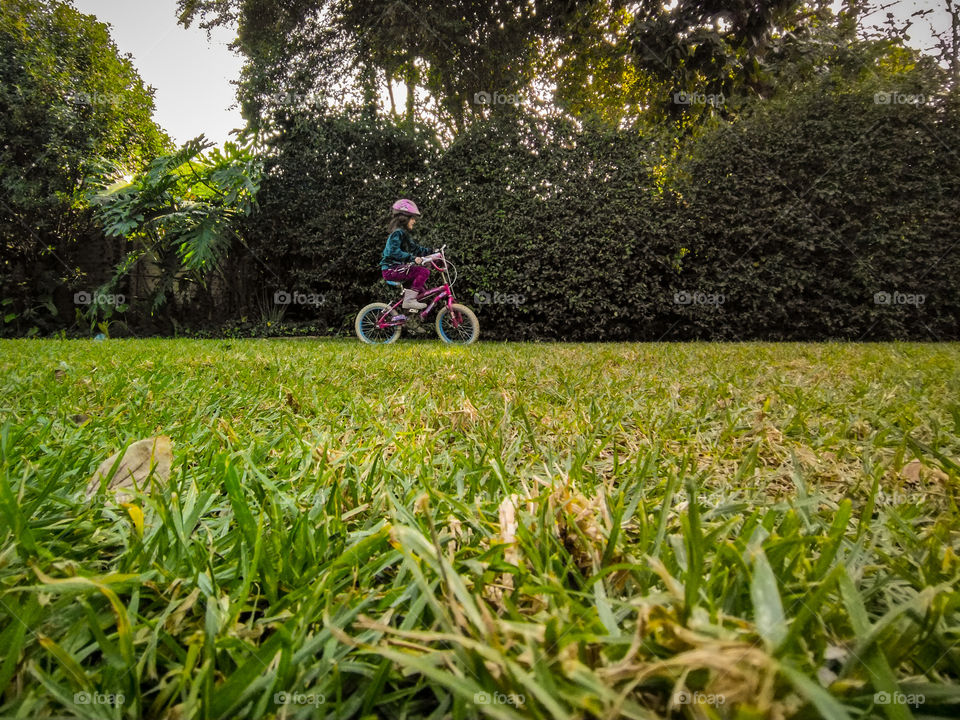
pixel 505 530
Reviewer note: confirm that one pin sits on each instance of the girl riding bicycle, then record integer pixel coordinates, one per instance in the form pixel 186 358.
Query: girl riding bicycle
pixel 403 259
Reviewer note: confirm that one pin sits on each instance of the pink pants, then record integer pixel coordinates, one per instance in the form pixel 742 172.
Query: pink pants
pixel 415 274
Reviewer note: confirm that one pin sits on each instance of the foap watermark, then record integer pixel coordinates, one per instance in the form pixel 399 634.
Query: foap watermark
pixel 687 697
pixel 94 98
pixel 704 500
pixel 685 297
pixel 96 298
pixel 684 97
pixel 898 497
pixel 898 98
pixel 290 698
pixel 108 498
pixel 294 99
pixel 898 298
pixel 485 298
pixel 96 698
pixel 498 698
pixel 282 297
pixel 495 98
pixel 898 698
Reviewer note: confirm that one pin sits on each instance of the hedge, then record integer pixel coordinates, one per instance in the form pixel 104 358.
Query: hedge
pixel 822 215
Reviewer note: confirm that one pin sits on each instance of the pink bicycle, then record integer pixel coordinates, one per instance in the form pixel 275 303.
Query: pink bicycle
pixel 380 323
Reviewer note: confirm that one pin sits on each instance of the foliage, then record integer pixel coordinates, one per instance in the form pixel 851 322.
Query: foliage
pixel 323 215
pixel 443 53
pixel 714 48
pixel 594 73
pixel 824 214
pixel 778 539
pixel 181 213
pixel 792 222
pixel 67 97
pixel 563 225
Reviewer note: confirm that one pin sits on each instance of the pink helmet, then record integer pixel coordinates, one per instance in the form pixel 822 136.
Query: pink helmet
pixel 407 207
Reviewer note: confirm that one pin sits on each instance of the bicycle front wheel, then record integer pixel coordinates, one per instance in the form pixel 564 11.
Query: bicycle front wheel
pixel 457 325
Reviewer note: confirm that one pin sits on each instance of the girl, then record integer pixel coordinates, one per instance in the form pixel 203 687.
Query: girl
pixel 403 260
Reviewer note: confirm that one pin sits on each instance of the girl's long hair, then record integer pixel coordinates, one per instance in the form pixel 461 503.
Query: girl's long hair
pixel 399 220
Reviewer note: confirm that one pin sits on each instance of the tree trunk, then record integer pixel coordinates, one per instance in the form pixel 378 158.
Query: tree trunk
pixel 954 11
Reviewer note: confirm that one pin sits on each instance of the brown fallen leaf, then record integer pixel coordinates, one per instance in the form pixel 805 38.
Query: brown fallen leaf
pixel 914 470
pixel 175 620
pixel 142 457
pixel 806 456
pixel 464 417
pixel 328 455
pixel 292 402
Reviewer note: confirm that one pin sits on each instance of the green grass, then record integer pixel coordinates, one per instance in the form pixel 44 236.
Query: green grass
pixel 701 531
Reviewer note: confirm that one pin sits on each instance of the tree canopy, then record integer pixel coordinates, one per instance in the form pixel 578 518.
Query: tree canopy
pixel 67 99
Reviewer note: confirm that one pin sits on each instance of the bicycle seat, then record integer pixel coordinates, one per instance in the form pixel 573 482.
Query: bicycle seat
pixel 394 283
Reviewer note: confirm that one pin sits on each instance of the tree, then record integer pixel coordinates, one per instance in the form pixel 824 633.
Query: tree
pixel 713 49
pixel 446 54
pixel 67 97
pixel 897 25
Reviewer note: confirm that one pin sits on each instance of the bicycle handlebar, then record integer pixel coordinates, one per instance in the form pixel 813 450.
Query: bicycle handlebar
pixel 434 258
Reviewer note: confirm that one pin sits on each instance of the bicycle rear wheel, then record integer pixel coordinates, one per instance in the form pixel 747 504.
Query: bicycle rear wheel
pixel 367 329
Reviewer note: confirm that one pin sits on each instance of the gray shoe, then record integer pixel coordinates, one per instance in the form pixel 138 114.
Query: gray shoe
pixel 410 301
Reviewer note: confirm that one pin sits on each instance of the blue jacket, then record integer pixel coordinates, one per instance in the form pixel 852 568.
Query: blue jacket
pixel 401 248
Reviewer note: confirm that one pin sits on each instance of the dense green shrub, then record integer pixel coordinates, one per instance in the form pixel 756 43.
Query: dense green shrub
pixel 785 224
pixel 804 211
pixel 560 229
pixel 324 203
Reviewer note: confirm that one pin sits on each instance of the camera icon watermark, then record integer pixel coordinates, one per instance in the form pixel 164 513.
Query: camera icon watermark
pixel 898 98
pixel 282 297
pixel 499 698
pixel 898 698
pixel 96 698
pixel 685 297
pixel 686 697
pixel 291 698
pixel 92 298
pixel 495 98
pixel 899 298
pixel 698 98
pixel 485 298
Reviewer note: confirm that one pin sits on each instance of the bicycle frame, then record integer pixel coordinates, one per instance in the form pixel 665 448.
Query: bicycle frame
pixel 434 296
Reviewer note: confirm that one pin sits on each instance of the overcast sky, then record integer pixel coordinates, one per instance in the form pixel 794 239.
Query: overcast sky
pixel 192 75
